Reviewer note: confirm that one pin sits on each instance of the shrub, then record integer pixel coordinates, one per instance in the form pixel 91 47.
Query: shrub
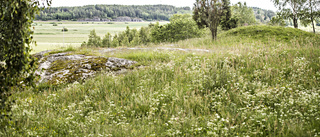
pixel 180 27
pixel 94 40
pixel 54 24
pixel 106 41
pixel 64 29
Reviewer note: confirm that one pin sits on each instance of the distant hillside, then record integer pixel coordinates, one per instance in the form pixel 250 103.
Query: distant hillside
pixel 112 12
pixel 262 15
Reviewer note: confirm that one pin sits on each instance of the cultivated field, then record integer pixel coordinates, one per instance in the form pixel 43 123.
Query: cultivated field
pixel 48 36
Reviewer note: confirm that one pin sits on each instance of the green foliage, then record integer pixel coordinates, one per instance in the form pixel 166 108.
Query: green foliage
pixel 17 65
pixel 94 40
pixel 263 33
pixel 106 41
pixel 107 12
pixel 180 27
pixel 277 21
pixel 244 14
pixel 64 29
pixel 262 15
pixel 208 13
pixel 290 9
pixel 54 24
pixel 227 21
pixel 144 36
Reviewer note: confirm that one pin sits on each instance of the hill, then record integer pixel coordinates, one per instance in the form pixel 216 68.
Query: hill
pixel 244 84
pixel 263 32
pixel 111 12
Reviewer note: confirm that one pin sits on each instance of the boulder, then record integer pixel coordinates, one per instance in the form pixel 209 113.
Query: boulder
pixel 64 68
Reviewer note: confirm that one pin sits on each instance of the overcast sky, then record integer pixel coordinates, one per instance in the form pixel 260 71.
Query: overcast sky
pixel 264 4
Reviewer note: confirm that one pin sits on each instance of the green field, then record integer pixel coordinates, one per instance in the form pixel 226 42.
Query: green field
pixel 49 37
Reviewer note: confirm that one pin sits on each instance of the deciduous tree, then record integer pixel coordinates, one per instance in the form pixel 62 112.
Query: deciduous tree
pixel 227 20
pixel 17 66
pixel 290 9
pixel 310 13
pixel 208 13
pixel 244 14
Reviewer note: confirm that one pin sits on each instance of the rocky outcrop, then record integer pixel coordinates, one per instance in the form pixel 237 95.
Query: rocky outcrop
pixel 65 68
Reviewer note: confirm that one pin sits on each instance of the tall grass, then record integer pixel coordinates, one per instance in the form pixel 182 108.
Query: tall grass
pixel 244 88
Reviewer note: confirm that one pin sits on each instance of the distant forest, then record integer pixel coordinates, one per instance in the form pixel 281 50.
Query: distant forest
pixel 112 12
pixel 262 15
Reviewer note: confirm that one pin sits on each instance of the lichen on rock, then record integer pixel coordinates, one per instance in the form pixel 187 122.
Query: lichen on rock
pixel 64 68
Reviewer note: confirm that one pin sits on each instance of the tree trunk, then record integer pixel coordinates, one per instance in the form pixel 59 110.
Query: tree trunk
pixel 314 30
pixel 214 33
pixel 295 22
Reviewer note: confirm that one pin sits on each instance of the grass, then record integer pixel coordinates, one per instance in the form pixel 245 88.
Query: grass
pixel 247 87
pixel 50 37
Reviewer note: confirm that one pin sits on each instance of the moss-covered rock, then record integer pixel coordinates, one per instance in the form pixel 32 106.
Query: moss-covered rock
pixel 64 68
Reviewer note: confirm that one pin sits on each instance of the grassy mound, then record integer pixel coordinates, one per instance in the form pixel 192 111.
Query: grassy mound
pixel 264 33
pixel 248 86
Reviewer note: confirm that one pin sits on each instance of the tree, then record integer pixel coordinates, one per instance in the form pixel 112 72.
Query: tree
pixel 290 9
pixel 94 39
pixel 310 13
pixel 181 27
pixel 106 41
pixel 208 13
pixel 143 35
pixel 277 21
pixel 227 21
pixel 244 14
pixel 17 66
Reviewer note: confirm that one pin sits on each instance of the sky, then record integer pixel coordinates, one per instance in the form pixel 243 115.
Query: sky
pixel 264 4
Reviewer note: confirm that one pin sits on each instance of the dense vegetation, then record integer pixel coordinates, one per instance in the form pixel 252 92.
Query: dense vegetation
pixel 246 86
pixel 263 15
pixel 17 66
pixel 145 12
pixel 180 27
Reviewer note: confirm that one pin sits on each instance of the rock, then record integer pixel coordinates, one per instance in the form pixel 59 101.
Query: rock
pixel 64 68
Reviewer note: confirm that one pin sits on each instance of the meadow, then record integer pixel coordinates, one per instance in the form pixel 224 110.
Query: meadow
pixel 255 81
pixel 50 37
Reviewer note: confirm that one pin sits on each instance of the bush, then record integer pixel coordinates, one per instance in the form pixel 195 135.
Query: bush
pixel 94 40
pixel 180 27
pixel 54 24
pixel 64 29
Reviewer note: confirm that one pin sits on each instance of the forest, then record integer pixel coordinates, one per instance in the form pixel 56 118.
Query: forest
pixel 110 12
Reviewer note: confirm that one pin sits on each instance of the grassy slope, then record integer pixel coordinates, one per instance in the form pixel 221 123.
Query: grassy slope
pixel 255 86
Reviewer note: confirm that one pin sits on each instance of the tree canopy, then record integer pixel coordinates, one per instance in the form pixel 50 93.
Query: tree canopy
pixel 291 9
pixel 17 65
pixel 208 13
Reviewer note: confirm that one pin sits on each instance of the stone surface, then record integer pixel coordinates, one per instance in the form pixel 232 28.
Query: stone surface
pixel 64 68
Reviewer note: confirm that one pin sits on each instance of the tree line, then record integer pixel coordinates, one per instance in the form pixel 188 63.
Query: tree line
pixel 181 27
pixel 145 12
